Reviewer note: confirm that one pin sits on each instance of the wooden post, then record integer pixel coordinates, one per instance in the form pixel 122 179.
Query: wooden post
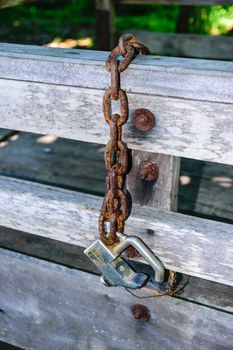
pixel 162 193
pixel 183 19
pixel 104 24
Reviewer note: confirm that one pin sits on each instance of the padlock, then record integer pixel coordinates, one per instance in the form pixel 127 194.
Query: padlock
pixel 116 271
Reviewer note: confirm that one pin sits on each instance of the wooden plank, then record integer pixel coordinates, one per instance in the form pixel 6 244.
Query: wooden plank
pixel 201 130
pixel 4 134
pixel 161 193
pixel 205 188
pixel 200 80
pixel 190 179
pixel 62 253
pixel 188 45
pixel 214 197
pixel 176 2
pixel 181 68
pixel 39 312
pixel 208 293
pixel 59 162
pixel 104 14
pixel 216 185
pixel 214 295
pixel 185 244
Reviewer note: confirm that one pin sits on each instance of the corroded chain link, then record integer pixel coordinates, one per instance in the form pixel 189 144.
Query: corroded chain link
pixel 115 208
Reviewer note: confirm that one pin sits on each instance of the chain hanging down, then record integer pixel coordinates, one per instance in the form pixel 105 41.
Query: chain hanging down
pixel 115 209
pixel 106 252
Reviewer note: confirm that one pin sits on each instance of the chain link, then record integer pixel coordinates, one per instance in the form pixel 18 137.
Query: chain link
pixel 115 208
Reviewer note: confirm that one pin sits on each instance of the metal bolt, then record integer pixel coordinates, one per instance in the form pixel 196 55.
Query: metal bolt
pixel 140 312
pixel 148 171
pixel 143 119
pixel 132 252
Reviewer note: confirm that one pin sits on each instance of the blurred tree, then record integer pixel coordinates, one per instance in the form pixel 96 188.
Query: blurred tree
pixel 213 20
pixel 156 18
pixel 40 22
pixel 185 13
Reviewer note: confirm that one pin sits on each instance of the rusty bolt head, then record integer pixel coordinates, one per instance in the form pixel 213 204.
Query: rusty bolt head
pixel 132 252
pixel 140 312
pixel 143 119
pixel 148 171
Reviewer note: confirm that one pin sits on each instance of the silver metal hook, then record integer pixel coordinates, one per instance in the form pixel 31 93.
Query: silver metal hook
pixel 144 251
pixel 116 271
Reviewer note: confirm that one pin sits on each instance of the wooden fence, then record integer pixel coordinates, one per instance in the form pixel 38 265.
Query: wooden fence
pixel 45 305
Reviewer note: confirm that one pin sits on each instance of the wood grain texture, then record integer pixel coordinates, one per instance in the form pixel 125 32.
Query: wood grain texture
pixel 188 45
pixel 185 79
pixel 185 244
pixel 207 293
pixel 177 2
pixel 4 134
pixel 39 312
pixel 79 166
pixel 162 193
pixel 214 295
pixel 60 162
pixel 187 128
pixel 194 79
pixel 216 185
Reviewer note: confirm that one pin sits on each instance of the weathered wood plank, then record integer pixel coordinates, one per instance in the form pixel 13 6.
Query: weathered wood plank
pixel 176 2
pixel 216 185
pixel 209 294
pixel 188 45
pixel 80 166
pixel 185 244
pixel 201 80
pixel 184 128
pixel 206 189
pixel 59 162
pixel 4 134
pixel 214 295
pixel 162 193
pixel 39 312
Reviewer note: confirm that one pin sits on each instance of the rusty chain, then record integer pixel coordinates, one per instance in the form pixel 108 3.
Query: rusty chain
pixel 115 207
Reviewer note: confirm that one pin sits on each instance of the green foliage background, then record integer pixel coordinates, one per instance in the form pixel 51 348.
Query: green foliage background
pixel 42 21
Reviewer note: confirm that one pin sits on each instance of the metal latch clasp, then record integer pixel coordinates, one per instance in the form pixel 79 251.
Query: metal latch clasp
pixel 115 270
